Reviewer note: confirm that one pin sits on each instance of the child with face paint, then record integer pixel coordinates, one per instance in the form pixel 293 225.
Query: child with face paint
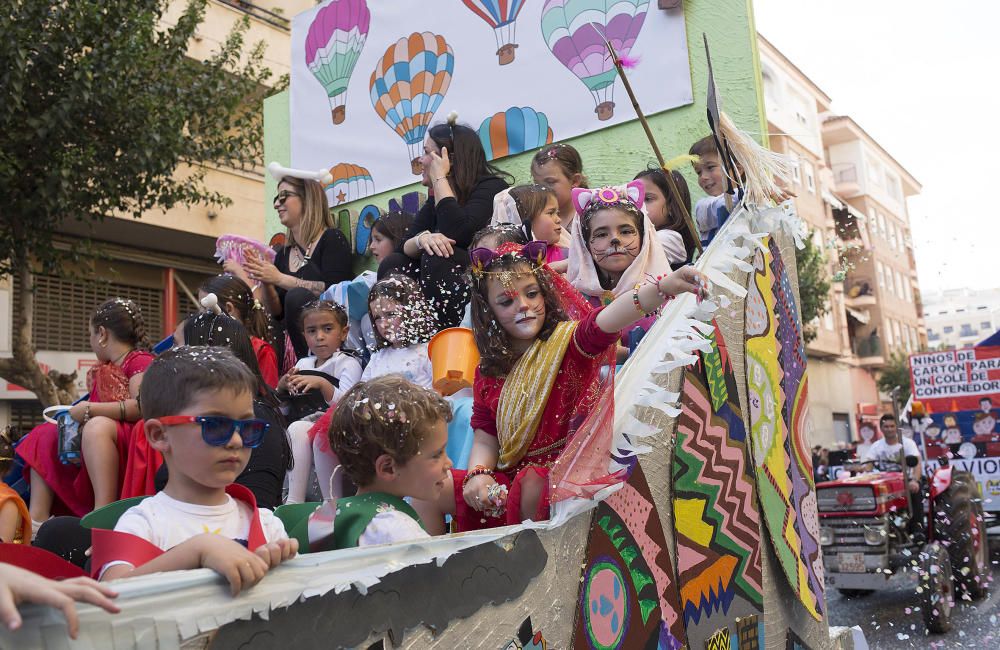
pixel 614 247
pixel 538 391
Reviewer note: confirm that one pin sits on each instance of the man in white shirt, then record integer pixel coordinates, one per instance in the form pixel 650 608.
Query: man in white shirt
pixel 888 448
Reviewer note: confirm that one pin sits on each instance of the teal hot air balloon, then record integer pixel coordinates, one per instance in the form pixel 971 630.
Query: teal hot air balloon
pixel 514 131
pixel 575 31
pixel 333 44
pixel 408 85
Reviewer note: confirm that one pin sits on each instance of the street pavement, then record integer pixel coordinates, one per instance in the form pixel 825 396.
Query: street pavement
pixel 891 618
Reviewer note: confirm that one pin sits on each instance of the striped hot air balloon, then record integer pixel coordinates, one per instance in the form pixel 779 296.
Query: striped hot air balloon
pixel 350 183
pixel 575 31
pixel 408 85
pixel 501 15
pixel 514 131
pixel 333 44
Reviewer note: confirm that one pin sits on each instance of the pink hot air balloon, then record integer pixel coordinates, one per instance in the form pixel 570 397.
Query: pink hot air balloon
pixel 336 37
pixel 501 15
pixel 575 31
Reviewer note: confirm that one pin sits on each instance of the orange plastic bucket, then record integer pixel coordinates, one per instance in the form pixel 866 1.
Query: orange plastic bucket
pixel 454 357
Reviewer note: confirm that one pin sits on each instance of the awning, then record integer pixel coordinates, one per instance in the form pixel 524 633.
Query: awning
pixel 860 315
pixel 832 200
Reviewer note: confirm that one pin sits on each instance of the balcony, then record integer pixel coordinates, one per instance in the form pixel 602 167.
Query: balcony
pixel 859 291
pixel 845 175
pixel 260 13
pixel 869 352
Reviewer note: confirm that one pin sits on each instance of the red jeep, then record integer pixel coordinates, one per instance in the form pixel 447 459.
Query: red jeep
pixel 869 535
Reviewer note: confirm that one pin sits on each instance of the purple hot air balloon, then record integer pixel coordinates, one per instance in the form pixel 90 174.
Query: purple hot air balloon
pixel 575 31
pixel 336 37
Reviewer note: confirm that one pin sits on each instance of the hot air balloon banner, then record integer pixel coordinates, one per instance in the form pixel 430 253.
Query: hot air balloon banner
pixel 408 85
pixel 350 183
pixel 370 78
pixel 514 131
pixel 335 40
pixel 501 15
pixel 576 30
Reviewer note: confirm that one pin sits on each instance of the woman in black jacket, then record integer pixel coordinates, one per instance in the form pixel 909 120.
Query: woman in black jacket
pixel 315 256
pixel 461 185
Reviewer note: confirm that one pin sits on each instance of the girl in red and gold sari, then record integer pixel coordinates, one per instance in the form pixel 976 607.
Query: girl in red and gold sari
pixel 107 418
pixel 542 405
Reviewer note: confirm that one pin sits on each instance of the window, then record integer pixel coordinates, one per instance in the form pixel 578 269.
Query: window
pixel 967 330
pixel 880 273
pixel 892 185
pixel 796 172
pixel 948 329
pixel 896 331
pixel 810 178
pixel 875 172
pixel 63 307
pixel 881 225
pixel 888 333
pixel 892 235
pixel 985 325
pixel 909 291
pixel 899 284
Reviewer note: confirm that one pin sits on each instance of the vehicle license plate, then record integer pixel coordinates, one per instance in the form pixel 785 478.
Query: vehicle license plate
pixel 851 562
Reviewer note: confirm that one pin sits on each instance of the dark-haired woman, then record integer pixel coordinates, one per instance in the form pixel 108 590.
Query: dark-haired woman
pixel 461 185
pixel 315 256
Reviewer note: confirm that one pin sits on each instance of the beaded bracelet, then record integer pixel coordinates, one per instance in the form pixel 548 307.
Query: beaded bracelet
pixel 479 470
pixel 637 304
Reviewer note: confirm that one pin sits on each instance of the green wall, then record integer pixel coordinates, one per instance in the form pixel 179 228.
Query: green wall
pixel 616 154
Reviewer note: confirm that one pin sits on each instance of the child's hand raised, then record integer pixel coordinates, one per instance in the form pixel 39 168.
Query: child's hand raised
pixel 241 568
pixel 277 552
pixel 685 280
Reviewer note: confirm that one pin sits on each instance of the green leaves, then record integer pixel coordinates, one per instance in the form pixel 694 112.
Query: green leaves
pixel 814 285
pixel 101 106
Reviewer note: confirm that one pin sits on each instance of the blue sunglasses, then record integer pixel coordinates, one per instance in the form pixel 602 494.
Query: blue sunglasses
pixel 217 430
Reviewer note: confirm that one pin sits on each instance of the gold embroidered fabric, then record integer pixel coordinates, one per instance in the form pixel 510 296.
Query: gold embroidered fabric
pixel 526 392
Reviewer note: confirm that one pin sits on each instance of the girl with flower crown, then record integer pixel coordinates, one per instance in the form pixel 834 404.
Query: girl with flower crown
pixel 538 389
pixel 461 185
pixel 119 340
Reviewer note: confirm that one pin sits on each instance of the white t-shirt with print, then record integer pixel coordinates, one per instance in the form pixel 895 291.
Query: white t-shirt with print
pixel 166 522
pixel 883 451
pixel 412 362
pixel 346 368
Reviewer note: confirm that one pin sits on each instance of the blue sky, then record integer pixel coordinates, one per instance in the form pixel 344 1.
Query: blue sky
pixel 923 78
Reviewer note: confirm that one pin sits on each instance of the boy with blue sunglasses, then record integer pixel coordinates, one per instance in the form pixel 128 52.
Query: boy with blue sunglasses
pixel 197 403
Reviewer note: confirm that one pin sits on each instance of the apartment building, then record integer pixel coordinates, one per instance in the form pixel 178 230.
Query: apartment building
pixel 852 194
pixel 960 318
pixel 160 259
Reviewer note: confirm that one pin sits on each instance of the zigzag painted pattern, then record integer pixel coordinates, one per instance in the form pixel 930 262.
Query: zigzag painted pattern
pixel 718 527
pixel 770 433
pixel 792 357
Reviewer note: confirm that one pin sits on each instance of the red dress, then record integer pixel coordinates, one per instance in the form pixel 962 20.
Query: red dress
pixel 267 359
pixel 575 392
pixel 71 483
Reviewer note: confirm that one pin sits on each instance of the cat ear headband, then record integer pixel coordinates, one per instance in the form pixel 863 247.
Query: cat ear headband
pixel 534 252
pixel 628 197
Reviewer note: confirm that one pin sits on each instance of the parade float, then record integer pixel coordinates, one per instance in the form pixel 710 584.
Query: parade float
pixel 710 540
